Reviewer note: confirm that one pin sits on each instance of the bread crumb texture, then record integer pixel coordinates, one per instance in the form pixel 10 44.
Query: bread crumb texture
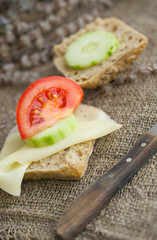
pixel 70 163
pixel 132 44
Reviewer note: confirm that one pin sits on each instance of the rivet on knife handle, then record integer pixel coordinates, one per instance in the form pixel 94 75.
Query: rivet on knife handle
pixel 90 202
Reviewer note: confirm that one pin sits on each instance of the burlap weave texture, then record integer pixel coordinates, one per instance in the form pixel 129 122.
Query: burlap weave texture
pixel 132 213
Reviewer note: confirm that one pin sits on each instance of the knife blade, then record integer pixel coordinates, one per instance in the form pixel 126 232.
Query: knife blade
pixel 86 206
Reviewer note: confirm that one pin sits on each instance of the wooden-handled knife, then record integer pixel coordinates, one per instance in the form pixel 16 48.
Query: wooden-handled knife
pixel 92 200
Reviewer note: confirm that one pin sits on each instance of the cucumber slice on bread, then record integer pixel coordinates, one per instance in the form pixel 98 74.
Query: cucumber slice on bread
pixel 53 134
pixel 91 49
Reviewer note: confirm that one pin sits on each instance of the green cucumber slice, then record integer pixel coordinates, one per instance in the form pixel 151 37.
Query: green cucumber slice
pixel 90 49
pixel 53 134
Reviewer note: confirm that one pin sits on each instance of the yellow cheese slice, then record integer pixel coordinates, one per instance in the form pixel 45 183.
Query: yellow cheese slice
pixel 15 156
pixel 11 177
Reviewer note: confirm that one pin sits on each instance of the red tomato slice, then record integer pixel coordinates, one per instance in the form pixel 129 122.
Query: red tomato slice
pixel 45 102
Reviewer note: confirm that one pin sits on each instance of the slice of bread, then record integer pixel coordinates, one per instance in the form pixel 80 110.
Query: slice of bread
pixel 68 164
pixel 132 44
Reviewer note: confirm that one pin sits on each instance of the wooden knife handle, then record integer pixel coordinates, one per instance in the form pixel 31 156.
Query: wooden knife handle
pixel 92 200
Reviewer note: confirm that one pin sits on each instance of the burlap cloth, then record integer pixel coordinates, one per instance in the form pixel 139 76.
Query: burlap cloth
pixel 132 213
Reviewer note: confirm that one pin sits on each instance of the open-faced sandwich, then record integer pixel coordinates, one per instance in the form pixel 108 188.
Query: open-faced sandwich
pixel 99 52
pixel 55 134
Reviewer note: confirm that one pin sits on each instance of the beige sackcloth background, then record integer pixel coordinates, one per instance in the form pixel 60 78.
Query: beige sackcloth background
pixel 132 212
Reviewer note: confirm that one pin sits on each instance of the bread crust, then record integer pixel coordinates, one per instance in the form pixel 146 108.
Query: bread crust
pixel 69 164
pixel 132 44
